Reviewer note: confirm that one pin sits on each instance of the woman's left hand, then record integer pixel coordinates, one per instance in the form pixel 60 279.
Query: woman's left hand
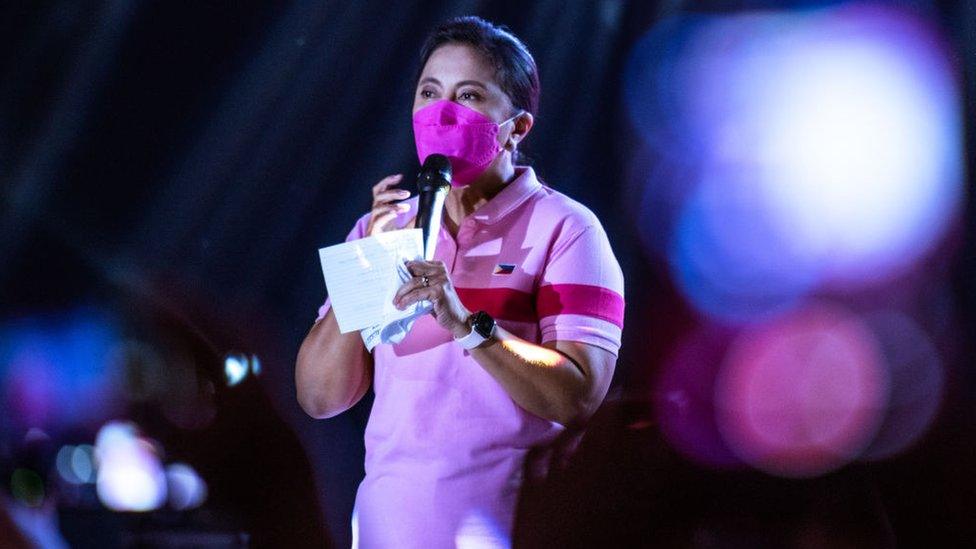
pixel 431 282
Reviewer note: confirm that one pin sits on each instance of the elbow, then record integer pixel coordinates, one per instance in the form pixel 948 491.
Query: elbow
pixel 570 418
pixel 576 409
pixel 578 397
pixel 583 400
pixel 315 406
pixel 318 404
pixel 567 420
pixel 570 412
pixel 312 398
pixel 323 394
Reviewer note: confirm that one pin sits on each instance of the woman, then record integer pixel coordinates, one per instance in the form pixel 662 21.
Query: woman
pixel 523 337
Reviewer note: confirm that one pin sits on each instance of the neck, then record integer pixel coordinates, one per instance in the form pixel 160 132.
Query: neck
pixel 463 201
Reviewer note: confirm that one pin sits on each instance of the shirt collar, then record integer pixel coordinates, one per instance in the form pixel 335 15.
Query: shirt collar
pixel 512 196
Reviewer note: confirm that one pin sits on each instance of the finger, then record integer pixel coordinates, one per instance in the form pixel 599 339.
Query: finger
pixel 390 210
pixel 386 183
pixel 433 280
pixel 428 268
pixel 418 294
pixel 406 288
pixel 390 195
pixel 419 268
pixel 383 215
pixel 417 283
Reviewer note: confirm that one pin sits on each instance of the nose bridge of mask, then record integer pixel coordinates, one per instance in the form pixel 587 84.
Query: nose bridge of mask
pixel 448 113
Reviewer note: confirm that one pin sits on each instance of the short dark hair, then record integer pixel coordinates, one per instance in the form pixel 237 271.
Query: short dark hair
pixel 515 68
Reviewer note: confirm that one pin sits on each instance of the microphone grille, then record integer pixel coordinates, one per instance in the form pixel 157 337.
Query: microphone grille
pixel 435 171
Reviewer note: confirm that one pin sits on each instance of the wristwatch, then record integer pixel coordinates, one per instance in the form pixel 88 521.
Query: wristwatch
pixel 482 328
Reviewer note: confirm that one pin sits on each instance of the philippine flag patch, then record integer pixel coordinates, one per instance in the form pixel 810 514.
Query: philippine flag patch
pixel 504 269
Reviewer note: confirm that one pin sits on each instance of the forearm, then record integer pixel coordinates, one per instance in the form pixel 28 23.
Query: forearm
pixel 333 370
pixel 563 381
pixel 540 379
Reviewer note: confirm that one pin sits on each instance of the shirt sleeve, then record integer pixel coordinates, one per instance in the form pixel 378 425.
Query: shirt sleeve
pixel 358 231
pixel 581 293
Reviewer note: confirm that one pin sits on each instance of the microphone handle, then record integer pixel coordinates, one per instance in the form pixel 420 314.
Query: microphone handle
pixel 430 209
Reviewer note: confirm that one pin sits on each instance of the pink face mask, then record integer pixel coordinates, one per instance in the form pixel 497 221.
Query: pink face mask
pixel 466 137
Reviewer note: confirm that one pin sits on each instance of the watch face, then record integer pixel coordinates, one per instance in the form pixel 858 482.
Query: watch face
pixel 482 323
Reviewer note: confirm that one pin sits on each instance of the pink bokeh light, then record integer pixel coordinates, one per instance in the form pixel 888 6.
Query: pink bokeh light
pixel 803 395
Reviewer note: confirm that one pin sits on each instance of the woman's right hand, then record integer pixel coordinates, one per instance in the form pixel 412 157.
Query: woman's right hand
pixel 385 208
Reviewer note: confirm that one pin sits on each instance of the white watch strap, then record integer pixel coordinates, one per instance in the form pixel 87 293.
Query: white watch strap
pixel 471 340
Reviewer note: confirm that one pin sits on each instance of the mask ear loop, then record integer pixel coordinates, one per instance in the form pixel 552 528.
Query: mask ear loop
pixel 510 145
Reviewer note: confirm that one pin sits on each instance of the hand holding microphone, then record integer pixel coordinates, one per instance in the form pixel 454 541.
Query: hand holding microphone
pixel 387 205
pixel 433 182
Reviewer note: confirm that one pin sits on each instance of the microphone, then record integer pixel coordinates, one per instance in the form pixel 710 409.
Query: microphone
pixel 433 182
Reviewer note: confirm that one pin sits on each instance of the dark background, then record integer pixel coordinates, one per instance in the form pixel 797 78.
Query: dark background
pixel 185 160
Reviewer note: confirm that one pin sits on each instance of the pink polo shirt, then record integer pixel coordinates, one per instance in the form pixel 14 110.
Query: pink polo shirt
pixel 445 444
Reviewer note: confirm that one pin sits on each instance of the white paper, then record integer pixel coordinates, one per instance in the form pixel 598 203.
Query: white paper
pixel 362 276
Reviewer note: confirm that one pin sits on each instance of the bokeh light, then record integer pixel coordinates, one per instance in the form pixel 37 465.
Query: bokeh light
pixel 62 462
pixel 83 463
pixel 684 402
pixel 186 489
pixel 730 260
pixel 27 487
pixel 36 436
pixel 130 474
pixel 794 151
pixel 802 395
pixel 76 464
pixel 55 371
pixel 235 368
pixel 862 148
pixel 917 383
